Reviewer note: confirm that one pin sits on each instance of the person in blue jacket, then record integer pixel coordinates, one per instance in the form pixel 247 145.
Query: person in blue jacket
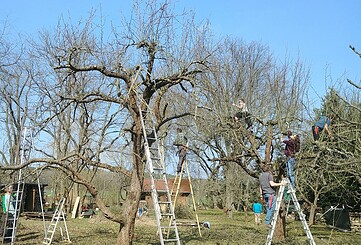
pixel 323 123
pixel 257 210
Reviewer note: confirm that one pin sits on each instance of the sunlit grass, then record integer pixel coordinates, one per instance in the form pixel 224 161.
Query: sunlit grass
pixel 241 229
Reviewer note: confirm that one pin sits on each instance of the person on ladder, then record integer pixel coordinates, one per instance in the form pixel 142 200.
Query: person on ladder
pixel 292 147
pixel 181 142
pixel 268 193
pixel 8 207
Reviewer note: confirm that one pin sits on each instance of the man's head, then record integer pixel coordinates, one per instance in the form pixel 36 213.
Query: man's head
pixel 241 102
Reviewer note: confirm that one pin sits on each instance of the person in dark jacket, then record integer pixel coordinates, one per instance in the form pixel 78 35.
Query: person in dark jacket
pixel 181 142
pixel 290 151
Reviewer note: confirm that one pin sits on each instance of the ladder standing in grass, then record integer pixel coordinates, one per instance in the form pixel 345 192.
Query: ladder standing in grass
pixel 13 198
pixel 290 190
pixel 168 233
pixel 177 184
pixel 58 216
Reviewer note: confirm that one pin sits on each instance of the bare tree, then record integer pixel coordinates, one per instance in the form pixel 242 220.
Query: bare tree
pixel 273 93
pixel 92 99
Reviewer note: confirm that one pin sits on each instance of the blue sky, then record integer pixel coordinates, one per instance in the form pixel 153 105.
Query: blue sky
pixel 319 32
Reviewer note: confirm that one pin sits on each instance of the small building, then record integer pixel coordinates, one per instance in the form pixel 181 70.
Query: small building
pixel 183 193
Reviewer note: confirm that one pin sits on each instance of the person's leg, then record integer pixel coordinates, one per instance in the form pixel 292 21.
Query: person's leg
pixel 182 157
pixel 290 170
pixel 269 198
pixel 315 133
pixel 258 218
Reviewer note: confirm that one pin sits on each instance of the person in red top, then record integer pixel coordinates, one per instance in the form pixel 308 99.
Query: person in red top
pixel 290 151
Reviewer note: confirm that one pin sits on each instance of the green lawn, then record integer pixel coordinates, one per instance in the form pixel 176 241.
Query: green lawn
pixel 239 230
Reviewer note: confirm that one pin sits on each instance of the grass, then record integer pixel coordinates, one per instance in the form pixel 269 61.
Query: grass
pixel 241 229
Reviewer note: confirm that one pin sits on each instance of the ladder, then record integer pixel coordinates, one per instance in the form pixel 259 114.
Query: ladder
pixel 298 209
pixel 13 211
pixel 58 215
pixel 168 233
pixel 16 197
pixel 177 183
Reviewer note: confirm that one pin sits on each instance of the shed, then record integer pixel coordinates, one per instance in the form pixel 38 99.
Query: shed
pixel 182 198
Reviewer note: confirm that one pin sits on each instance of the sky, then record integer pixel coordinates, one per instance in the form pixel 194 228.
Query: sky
pixel 317 32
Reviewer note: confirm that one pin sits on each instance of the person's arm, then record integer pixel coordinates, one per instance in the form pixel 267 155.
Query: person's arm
pixel 327 129
pixel 274 184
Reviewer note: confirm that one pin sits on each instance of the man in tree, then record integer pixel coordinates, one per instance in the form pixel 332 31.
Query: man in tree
pixel 323 123
pixel 243 114
pixel 268 193
pixel 181 142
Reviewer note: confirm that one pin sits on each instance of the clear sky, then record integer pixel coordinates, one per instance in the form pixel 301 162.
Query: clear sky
pixel 317 31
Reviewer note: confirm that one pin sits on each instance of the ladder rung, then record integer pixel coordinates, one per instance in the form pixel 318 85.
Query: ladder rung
pixel 166 214
pixel 168 227
pixel 164 202
pixel 171 240
pixel 162 191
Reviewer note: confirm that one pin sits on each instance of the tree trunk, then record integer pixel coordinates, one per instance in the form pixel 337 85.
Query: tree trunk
pixel 229 193
pixel 313 208
pixel 126 231
pixel 130 207
pixel 280 230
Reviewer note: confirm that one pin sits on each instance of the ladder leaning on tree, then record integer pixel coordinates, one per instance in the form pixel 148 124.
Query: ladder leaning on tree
pixel 14 201
pixel 298 209
pixel 164 211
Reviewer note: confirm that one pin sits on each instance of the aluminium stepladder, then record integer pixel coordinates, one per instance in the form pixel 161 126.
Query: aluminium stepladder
pixel 164 211
pixel 177 183
pixel 14 201
pixel 298 209
pixel 58 216
pixel 13 212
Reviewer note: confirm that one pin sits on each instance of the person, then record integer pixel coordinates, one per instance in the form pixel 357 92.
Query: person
pixel 291 148
pixel 323 123
pixel 257 210
pixel 267 192
pixel 8 201
pixel 181 142
pixel 9 208
pixel 243 114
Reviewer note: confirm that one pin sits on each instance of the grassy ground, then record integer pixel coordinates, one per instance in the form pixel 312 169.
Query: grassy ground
pixel 239 230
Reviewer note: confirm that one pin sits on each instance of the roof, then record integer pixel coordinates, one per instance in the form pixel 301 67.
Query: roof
pixel 184 185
